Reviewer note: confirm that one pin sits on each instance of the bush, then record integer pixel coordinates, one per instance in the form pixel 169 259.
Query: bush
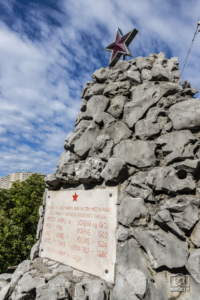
pixel 18 220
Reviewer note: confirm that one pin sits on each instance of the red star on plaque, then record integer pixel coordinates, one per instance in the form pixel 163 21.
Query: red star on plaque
pixel 120 46
pixel 75 197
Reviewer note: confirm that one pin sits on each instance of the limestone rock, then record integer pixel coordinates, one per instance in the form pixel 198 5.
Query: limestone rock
pixel 163 249
pixel 188 90
pixel 66 158
pixel 79 118
pixel 188 165
pixel 6 276
pixel 143 97
pixel 115 170
pixel 52 183
pixel 102 74
pixel 95 89
pixel 84 143
pixel 102 147
pixel 167 128
pixel 137 281
pixel 165 220
pixel 193 265
pixel 89 171
pixel 83 105
pixel 67 174
pixel 72 138
pixel 62 269
pixel 94 290
pixel 167 180
pixel 185 114
pixel 117 88
pixel 152 125
pixel 136 153
pixel 39 227
pixel 132 211
pixel 35 250
pixel 86 87
pixel 143 63
pixel 131 255
pixel 195 236
pixel 184 210
pixel 95 106
pixel 133 76
pixel 139 188
pixel 122 233
pixel 117 106
pixel 177 139
pixel 122 65
pixel 118 132
pixel 27 283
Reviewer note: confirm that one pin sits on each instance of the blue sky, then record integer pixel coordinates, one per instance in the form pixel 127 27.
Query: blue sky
pixel 48 51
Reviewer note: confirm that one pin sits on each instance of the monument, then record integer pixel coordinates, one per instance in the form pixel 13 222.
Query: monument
pixel 120 216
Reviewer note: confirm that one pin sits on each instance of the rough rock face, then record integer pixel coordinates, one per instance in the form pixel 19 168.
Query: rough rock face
pixel 138 129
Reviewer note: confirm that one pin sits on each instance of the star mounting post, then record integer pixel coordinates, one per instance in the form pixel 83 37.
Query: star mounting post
pixel 120 46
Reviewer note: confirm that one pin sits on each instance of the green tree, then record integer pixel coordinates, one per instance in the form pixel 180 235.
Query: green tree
pixel 18 220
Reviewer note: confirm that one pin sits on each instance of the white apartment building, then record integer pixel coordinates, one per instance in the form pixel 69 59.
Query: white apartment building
pixel 6 181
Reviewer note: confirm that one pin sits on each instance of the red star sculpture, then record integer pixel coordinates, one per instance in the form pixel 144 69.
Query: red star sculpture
pixel 120 46
pixel 75 197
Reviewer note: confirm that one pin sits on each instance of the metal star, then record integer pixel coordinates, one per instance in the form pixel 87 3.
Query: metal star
pixel 120 46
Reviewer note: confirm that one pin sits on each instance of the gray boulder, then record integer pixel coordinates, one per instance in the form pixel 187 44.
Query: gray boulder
pixel 139 188
pixel 188 165
pixel 95 89
pixel 115 170
pixel 27 283
pixel 185 114
pixel 177 139
pixel 170 181
pixel 89 171
pixel 193 265
pixel 122 65
pixel 117 106
pixel 52 183
pixel 152 125
pixel 94 290
pixel 122 233
pixel 66 158
pixel 73 137
pixel 83 105
pixel 184 210
pixel 163 249
pixel 165 220
pixel 167 128
pixel 137 281
pixel 35 251
pixel 118 132
pixel 136 153
pixel 143 63
pixel 143 97
pixel 88 85
pixel 102 147
pixel 195 236
pixel 67 174
pixel 84 143
pixel 133 77
pixel 102 74
pixel 39 227
pixel 95 106
pixel 117 88
pixel 132 211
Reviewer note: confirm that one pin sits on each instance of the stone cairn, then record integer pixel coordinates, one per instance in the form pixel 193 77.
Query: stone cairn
pixel 138 129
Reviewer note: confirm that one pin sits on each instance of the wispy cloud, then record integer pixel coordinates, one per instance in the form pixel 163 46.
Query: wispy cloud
pixel 48 50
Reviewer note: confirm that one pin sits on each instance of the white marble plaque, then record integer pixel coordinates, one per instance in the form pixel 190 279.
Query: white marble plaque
pixel 79 230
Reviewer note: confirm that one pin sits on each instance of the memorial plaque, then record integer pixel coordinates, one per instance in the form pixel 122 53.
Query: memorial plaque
pixel 79 230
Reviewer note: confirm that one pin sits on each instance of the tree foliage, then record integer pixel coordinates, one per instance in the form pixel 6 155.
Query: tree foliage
pixel 18 220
